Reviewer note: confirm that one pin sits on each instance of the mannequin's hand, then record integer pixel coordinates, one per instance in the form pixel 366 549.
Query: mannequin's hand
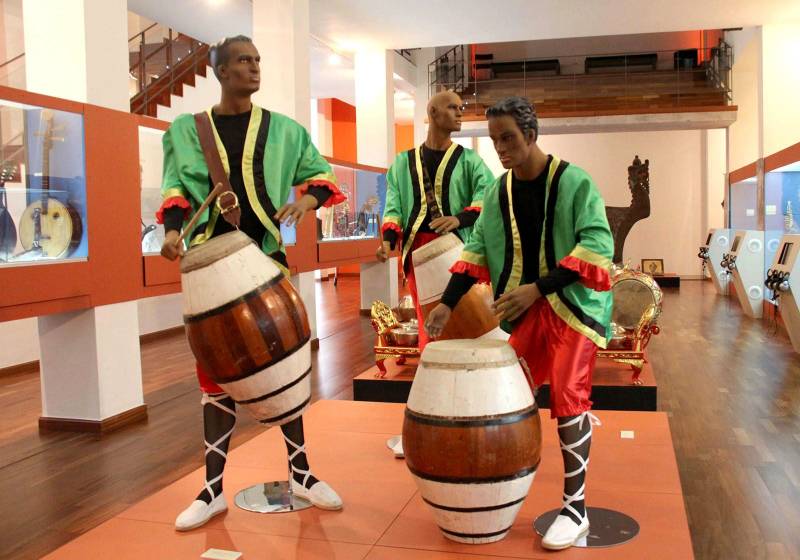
pixel 171 249
pixel 294 212
pixel 437 319
pixel 445 224
pixel 513 304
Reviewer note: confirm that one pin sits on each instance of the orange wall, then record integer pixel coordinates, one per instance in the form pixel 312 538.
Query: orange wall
pixel 343 118
pixel 403 137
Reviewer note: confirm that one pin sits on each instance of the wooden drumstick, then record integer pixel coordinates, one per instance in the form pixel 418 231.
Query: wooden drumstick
pixel 218 189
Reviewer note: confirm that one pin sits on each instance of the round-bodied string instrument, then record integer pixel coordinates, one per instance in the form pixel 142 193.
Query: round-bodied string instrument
pixel 247 327
pixel 472 437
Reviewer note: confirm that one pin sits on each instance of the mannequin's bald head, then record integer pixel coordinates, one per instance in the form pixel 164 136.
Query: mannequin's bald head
pixel 444 112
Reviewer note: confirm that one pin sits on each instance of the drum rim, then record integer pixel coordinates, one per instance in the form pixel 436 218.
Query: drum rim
pixel 433 355
pixel 448 242
pixel 233 241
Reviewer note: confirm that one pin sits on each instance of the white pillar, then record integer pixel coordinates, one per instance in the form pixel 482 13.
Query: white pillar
pixel 374 77
pixel 422 94
pixel 78 49
pixel 306 286
pixel 281 35
pixel 90 361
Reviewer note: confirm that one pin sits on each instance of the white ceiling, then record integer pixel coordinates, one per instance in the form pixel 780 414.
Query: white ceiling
pixel 348 24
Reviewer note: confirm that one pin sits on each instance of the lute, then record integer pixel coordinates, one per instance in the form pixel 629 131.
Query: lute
pixel 48 225
pixel 8 230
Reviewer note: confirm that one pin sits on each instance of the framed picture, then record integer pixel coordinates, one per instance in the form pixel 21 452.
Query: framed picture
pixel 653 267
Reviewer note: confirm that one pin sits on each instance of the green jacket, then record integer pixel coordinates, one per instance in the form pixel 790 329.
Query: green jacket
pixel 575 236
pixel 459 184
pixel 278 155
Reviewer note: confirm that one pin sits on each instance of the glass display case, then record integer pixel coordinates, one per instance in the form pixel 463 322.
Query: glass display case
pixel 782 199
pixel 359 216
pixel 781 210
pixel 743 204
pixel 151 161
pixel 42 185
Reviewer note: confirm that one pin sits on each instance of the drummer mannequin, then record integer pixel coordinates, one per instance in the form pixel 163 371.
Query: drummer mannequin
pixel 456 178
pixel 265 154
pixel 556 305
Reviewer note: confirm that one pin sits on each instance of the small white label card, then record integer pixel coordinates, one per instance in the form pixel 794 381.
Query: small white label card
pixel 626 434
pixel 219 554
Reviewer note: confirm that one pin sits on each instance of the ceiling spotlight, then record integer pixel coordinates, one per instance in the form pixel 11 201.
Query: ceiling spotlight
pixel 334 59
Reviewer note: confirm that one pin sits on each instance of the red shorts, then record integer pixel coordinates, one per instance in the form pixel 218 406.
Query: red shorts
pixel 206 384
pixel 421 239
pixel 557 353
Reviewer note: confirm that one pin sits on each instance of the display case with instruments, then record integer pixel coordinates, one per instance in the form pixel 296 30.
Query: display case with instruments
pixel 42 185
pixel 359 216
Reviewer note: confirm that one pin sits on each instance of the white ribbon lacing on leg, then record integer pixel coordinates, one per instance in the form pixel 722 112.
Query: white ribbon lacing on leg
pixel 569 448
pixel 214 447
pixel 298 449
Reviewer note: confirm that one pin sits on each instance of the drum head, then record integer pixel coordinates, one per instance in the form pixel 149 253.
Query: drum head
pixel 631 299
pixel 438 246
pixel 464 352
pixel 213 250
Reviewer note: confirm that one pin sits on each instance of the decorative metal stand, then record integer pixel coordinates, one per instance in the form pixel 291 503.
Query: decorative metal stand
pixel 271 497
pixel 606 527
pixel 383 321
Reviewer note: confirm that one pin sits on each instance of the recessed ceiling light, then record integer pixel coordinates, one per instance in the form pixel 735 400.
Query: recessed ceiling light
pixel 334 59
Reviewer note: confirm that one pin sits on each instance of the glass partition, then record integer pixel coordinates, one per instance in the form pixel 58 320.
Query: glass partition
pixel 359 216
pixel 42 185
pixel 781 209
pixel 743 204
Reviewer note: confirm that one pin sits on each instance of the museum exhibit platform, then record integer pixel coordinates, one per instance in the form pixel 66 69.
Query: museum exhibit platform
pixel 633 470
pixel 612 388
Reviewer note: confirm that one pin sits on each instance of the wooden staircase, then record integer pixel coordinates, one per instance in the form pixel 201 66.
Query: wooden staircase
pixel 163 69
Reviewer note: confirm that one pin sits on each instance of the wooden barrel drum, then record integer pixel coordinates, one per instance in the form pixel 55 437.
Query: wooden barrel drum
pixel 472 437
pixel 247 327
pixel 472 317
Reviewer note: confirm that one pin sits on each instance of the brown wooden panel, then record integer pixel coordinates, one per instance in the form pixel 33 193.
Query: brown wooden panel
pixel 41 283
pixel 472 452
pixel 158 271
pixel 27 97
pixel 784 157
pixel 742 173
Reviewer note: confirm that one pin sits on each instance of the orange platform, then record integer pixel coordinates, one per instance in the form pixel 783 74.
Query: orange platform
pixel 384 516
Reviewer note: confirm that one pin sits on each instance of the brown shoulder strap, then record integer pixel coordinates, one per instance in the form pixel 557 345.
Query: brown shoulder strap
pixel 231 212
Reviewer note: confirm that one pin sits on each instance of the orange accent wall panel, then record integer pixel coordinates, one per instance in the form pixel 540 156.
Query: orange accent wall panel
pixel 159 271
pixel 114 203
pixel 344 130
pixel 403 137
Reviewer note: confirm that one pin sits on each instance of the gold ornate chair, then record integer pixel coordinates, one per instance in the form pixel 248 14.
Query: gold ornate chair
pixel 383 321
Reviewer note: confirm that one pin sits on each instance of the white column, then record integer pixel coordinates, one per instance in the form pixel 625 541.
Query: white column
pixel 306 286
pixel 281 35
pixel 374 77
pixel 422 94
pixel 90 361
pixel 78 49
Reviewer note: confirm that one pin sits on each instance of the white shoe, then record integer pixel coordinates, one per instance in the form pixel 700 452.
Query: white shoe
pixel 199 512
pixel 564 533
pixel 320 495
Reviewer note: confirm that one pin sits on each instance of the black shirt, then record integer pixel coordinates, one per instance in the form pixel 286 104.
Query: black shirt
pixel 232 131
pixel 528 201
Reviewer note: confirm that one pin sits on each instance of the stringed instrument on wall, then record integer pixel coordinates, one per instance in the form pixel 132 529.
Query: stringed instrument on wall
pixel 48 225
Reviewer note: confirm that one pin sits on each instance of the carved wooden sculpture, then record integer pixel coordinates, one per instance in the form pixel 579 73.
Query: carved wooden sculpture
pixel 621 219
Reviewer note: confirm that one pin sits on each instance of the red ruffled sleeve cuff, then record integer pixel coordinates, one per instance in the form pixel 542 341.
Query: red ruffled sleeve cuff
pixel 592 276
pixel 391 226
pixel 473 209
pixel 479 273
pixel 336 195
pixel 171 202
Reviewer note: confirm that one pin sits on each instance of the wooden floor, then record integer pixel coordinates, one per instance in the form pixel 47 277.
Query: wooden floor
pixel 729 384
